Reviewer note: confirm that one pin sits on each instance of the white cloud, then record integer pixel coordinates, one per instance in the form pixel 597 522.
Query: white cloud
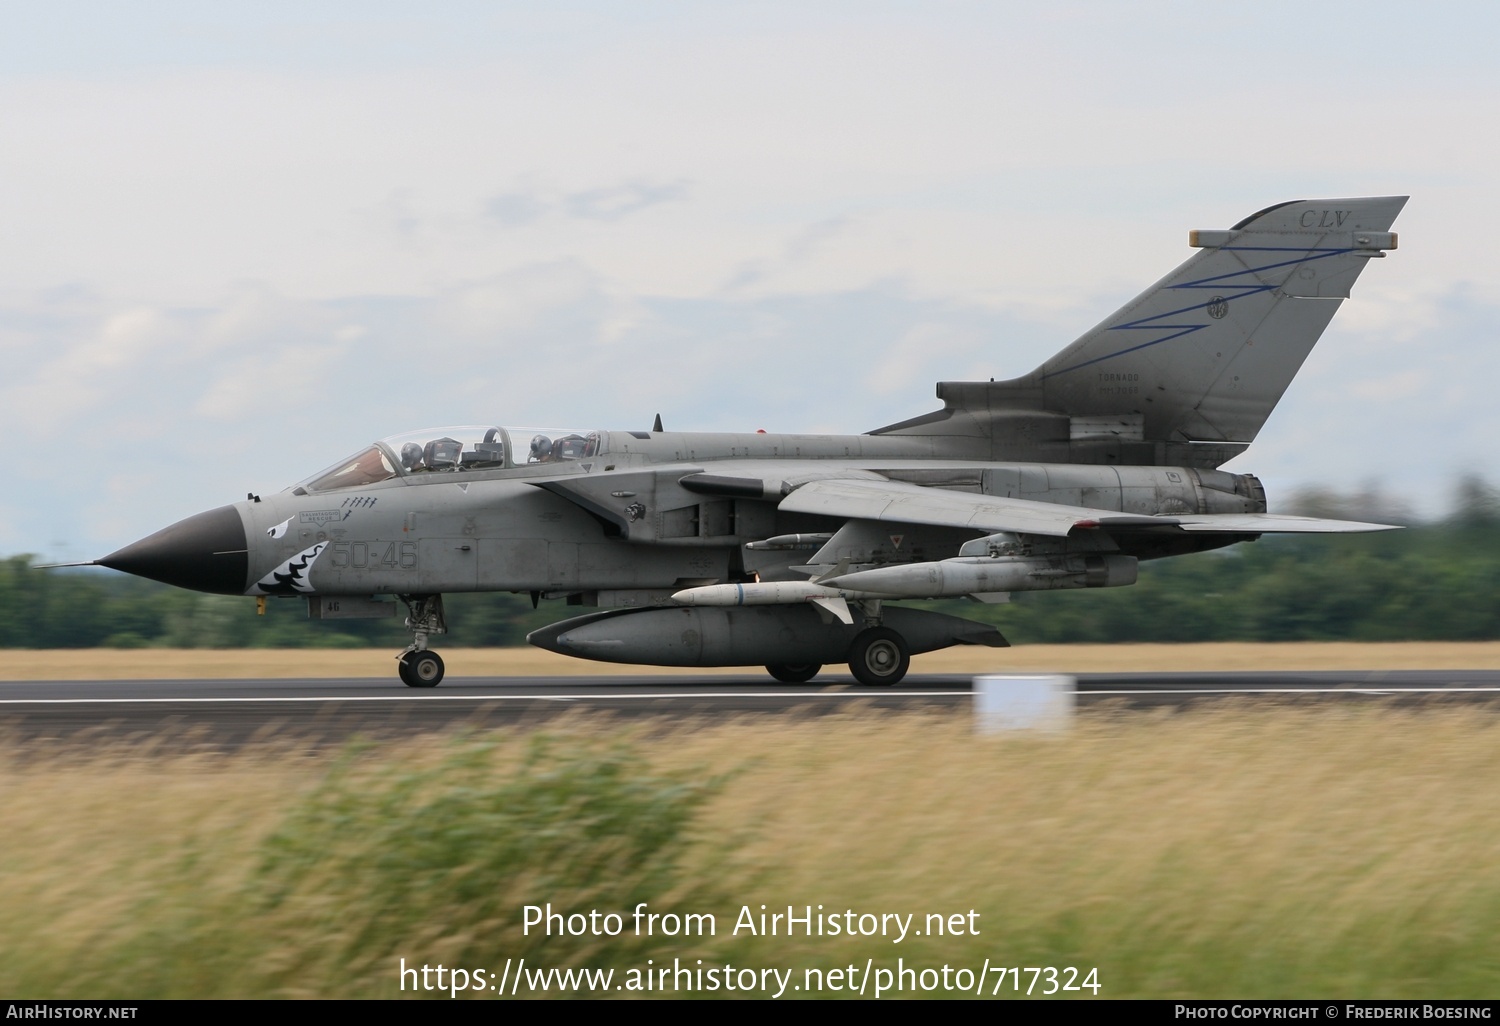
pixel 616 202
pixel 1405 384
pixel 84 366
pixel 519 300
pixel 922 350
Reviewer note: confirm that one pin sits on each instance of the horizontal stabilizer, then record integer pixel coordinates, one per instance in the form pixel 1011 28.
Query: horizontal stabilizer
pixel 1274 523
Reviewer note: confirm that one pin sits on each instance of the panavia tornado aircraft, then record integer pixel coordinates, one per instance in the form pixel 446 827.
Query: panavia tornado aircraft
pixel 787 550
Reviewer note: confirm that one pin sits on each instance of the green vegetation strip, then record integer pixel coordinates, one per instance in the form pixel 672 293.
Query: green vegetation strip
pixel 1435 582
pixel 1254 850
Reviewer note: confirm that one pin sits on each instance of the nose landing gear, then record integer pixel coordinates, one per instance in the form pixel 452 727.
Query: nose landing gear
pixel 418 667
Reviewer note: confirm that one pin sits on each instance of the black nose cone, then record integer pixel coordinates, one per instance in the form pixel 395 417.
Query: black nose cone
pixel 207 552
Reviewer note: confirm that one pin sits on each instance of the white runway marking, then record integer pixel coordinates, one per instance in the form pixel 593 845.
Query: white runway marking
pixel 1297 691
pixel 659 695
pixel 489 698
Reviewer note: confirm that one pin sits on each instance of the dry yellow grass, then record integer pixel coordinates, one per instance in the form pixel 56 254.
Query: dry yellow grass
pixel 133 664
pixel 1242 851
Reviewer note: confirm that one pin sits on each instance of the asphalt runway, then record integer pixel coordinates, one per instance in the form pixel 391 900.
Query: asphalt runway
pixel 328 711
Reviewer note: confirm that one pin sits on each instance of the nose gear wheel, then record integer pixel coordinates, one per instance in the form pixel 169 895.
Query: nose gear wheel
pixel 421 669
pixel 417 666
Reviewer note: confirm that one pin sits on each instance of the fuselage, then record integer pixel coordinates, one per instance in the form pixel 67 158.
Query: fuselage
pixel 616 518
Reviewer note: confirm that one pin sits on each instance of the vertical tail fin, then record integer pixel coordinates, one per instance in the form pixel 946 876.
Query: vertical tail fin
pixel 1206 353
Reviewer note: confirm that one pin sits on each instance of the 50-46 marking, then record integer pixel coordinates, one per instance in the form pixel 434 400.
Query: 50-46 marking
pixel 360 555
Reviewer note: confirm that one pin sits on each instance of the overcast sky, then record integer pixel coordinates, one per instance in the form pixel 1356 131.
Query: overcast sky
pixel 239 240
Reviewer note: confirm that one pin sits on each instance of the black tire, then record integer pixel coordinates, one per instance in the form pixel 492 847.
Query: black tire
pixel 405 676
pixel 797 674
pixel 879 657
pixel 421 669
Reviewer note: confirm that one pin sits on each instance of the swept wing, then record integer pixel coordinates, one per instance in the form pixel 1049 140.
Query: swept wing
pixel 899 502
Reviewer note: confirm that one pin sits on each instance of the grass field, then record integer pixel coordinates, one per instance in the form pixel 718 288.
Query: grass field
pixel 122 664
pixel 1240 851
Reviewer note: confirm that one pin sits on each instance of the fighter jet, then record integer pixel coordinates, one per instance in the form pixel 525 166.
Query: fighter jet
pixel 789 550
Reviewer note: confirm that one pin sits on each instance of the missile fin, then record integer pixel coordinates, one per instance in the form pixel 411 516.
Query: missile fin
pixel 839 570
pixel 837 606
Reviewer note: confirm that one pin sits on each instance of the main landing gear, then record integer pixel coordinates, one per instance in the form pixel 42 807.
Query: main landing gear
pixel 417 667
pixel 879 657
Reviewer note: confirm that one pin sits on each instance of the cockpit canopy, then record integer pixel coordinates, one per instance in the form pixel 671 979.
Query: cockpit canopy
pixel 454 450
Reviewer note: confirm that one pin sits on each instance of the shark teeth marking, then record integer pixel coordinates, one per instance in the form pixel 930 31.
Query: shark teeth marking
pixel 290 578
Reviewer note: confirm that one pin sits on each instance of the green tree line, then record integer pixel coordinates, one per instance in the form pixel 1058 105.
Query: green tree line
pixel 1436 581
pixel 90 609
